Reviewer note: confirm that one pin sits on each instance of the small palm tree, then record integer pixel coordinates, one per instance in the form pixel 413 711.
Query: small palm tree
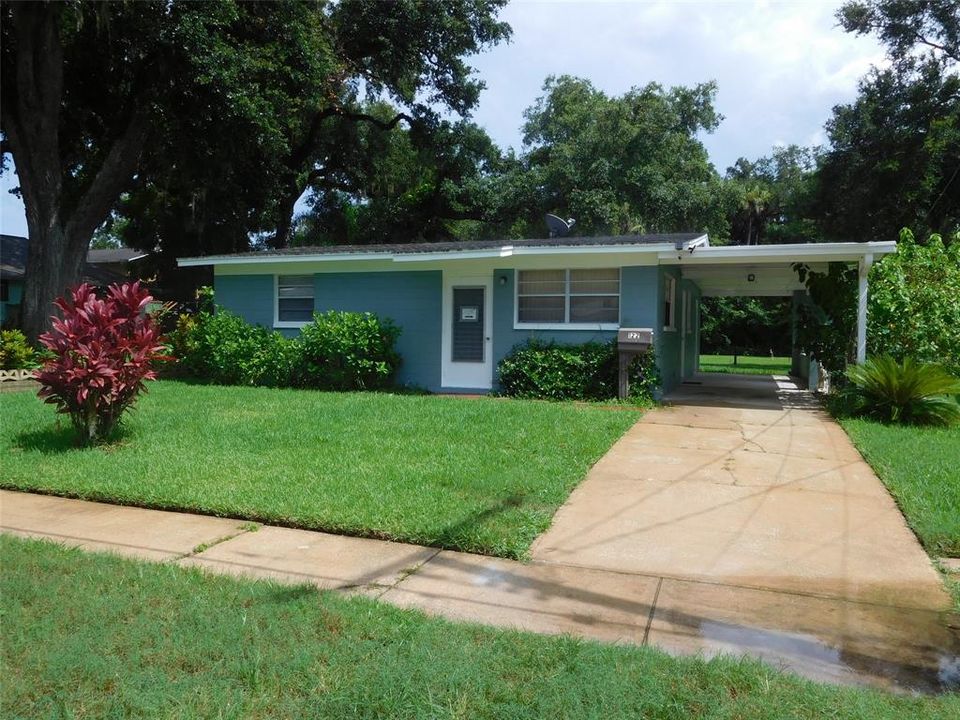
pixel 907 392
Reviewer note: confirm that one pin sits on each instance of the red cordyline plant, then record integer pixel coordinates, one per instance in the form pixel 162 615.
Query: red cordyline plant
pixel 105 349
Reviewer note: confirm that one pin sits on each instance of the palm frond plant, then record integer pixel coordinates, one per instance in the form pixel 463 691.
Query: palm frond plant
pixel 907 392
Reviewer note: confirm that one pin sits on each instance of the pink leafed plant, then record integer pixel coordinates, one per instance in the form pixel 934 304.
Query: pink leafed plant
pixel 105 349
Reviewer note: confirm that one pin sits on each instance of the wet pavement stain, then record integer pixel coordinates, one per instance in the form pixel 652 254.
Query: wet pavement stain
pixel 894 648
pixel 931 670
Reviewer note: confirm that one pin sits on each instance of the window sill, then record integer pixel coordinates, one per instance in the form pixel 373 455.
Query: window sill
pixel 289 324
pixel 566 326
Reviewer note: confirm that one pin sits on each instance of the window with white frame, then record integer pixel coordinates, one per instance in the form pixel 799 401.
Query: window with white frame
pixel 294 298
pixel 568 297
pixel 670 304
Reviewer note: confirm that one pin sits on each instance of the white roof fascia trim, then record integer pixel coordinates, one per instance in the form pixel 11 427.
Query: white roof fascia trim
pixel 248 260
pixel 501 252
pixel 511 251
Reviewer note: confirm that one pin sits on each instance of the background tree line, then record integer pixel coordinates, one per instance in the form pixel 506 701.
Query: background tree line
pixel 194 128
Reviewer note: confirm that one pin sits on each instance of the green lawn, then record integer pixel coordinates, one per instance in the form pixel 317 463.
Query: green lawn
pixel 482 475
pixel 921 467
pixel 746 365
pixel 93 636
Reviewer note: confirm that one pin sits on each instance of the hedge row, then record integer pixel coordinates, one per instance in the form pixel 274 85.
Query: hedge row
pixel 573 372
pixel 356 351
pixel 337 351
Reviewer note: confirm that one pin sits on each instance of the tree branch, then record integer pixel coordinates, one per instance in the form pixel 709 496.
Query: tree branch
pixel 301 152
pixel 935 46
pixel 117 169
pixel 383 125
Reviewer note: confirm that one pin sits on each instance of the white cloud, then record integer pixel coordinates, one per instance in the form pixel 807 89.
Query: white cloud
pixel 780 66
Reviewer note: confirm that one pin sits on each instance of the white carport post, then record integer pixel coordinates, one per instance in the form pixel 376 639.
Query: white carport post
pixel 862 287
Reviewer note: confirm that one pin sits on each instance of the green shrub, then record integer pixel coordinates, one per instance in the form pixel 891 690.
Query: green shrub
pixel 15 351
pixel 572 372
pixel 913 306
pixel 337 351
pixel 225 349
pixel 907 392
pixel 915 302
pixel 347 351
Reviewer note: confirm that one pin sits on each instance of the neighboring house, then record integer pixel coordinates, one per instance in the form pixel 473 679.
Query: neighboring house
pixel 103 268
pixel 13 260
pixel 115 263
pixel 462 306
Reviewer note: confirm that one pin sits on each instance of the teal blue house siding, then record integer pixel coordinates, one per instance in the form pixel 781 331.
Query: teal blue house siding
pixel 692 344
pixel 667 342
pixel 638 297
pixel 411 299
pixel 249 296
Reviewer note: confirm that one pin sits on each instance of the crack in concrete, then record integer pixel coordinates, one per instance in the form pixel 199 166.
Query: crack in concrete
pixel 203 547
pixel 653 609
pixel 405 573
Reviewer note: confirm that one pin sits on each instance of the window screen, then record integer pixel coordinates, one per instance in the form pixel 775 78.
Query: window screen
pixel 589 297
pixel 295 298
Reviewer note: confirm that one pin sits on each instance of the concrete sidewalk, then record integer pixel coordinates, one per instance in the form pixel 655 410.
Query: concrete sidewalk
pixel 823 638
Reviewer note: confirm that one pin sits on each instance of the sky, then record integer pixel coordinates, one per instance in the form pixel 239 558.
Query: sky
pixel 780 67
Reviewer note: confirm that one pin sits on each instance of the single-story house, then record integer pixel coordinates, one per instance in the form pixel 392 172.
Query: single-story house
pixel 103 268
pixel 463 305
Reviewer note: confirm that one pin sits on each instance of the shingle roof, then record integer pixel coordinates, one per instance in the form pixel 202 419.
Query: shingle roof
pixel 13 256
pixel 13 261
pixel 677 239
pixel 113 255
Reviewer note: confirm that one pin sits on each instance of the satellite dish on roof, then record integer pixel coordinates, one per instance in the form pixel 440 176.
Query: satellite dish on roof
pixel 559 227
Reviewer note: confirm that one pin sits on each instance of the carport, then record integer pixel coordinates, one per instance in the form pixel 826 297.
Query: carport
pixel 767 271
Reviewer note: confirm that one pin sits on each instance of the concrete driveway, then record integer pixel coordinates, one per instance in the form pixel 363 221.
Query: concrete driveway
pixel 742 481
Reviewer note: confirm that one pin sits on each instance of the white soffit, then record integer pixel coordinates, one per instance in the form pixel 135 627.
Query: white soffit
pixel 727 280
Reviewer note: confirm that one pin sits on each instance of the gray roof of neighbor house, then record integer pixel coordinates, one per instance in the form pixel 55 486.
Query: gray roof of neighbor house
pixel 13 261
pixel 13 256
pixel 114 255
pixel 678 240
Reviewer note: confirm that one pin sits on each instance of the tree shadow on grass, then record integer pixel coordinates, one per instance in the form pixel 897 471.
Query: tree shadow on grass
pixel 460 533
pixel 293 593
pixel 62 438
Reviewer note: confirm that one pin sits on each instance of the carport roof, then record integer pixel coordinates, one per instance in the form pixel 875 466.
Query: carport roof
pixel 764 270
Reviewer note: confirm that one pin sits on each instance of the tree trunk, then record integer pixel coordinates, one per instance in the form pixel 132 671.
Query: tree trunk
pixel 60 220
pixel 55 263
pixel 285 207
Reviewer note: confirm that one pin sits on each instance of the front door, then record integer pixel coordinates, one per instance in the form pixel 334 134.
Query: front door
pixel 467 362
